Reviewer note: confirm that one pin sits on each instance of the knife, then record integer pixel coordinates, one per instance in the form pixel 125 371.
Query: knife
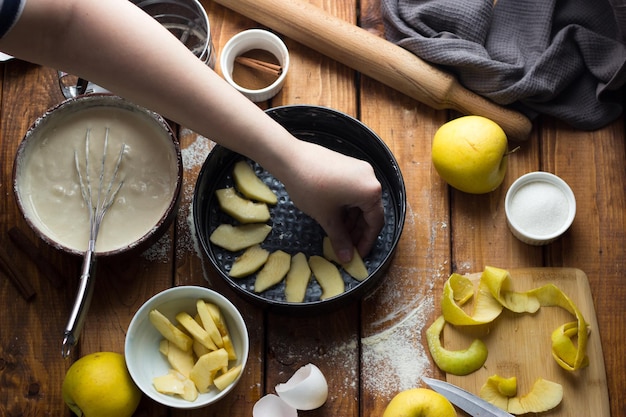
pixel 466 401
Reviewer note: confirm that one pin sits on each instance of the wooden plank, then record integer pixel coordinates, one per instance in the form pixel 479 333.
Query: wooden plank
pixel 478 222
pixel 31 365
pixel 592 163
pixel 191 265
pixel 394 317
pixel 330 341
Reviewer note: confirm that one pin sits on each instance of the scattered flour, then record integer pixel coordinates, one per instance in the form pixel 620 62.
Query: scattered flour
pixel 193 157
pixel 393 353
pixel 395 359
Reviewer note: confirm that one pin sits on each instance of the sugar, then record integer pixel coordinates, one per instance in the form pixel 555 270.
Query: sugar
pixel 539 208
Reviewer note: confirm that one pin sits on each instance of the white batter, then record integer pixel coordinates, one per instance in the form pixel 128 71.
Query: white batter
pixel 50 189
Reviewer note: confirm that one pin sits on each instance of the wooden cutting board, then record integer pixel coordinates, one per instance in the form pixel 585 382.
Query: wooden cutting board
pixel 519 345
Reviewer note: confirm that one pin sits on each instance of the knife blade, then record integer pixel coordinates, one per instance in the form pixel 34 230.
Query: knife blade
pixel 466 401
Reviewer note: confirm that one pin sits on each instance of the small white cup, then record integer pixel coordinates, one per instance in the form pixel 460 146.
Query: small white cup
pixel 249 40
pixel 539 208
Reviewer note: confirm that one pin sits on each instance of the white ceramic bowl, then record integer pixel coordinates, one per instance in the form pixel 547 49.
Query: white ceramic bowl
pixel 141 349
pixel 249 40
pixel 539 208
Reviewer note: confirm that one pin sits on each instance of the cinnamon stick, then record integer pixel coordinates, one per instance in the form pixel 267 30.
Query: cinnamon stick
pixel 260 65
pixel 19 238
pixel 19 281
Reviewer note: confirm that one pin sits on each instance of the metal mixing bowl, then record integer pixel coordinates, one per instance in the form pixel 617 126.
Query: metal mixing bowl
pixel 292 230
pixel 48 167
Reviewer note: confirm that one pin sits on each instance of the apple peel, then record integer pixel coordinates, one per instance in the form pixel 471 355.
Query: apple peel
pixel 493 392
pixel 543 396
pixel 456 362
pixel 494 293
pixel 459 289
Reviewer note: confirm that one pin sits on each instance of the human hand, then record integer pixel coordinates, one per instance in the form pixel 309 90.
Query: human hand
pixel 341 193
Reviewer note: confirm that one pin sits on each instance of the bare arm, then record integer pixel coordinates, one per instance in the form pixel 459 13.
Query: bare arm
pixel 118 46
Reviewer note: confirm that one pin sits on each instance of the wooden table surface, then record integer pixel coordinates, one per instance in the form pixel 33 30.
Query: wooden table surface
pixel 370 350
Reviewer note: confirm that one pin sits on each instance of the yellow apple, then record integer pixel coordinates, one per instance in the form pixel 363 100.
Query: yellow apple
pixel 419 402
pixel 470 154
pixel 99 385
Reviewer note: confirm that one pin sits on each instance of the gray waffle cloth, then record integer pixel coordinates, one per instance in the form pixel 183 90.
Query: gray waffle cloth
pixel 565 58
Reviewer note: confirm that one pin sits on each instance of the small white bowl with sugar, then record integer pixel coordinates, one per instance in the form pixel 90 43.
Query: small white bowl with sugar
pixel 539 208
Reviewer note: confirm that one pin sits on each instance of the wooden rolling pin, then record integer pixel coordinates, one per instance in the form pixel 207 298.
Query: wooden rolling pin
pixel 377 58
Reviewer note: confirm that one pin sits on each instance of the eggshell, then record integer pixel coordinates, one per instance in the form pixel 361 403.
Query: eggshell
pixel 272 406
pixel 307 389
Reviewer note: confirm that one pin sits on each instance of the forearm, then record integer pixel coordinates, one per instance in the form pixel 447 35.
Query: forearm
pixel 117 46
pixel 95 44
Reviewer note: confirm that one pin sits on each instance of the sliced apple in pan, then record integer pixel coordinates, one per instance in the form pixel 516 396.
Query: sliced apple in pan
pixel 250 185
pixel 235 238
pixel 327 275
pixel 249 262
pixel 297 279
pixel 241 209
pixel 273 271
pixel 355 268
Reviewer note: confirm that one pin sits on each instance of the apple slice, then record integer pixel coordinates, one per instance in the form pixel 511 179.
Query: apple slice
pixel 250 185
pixel 241 209
pixel 235 238
pixel 228 345
pixel 169 331
pixel 227 378
pixel 206 367
pixel 208 324
pixel 170 383
pixel 297 279
pixel 355 268
pixel 273 271
pixel 327 275
pixel 249 262
pixel 179 359
pixel 164 346
pixel 190 392
pixel 199 349
pixel 216 314
pixel 195 330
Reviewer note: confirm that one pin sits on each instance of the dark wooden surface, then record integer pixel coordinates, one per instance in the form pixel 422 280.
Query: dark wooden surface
pixel 369 350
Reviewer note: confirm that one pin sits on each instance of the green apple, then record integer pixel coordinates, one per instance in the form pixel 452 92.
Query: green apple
pixel 99 385
pixel 470 154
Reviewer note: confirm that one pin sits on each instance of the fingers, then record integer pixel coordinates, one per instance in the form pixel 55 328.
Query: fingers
pixel 372 222
pixel 359 228
pixel 341 192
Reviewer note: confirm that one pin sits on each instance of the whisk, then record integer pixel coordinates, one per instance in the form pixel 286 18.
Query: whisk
pixel 98 202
